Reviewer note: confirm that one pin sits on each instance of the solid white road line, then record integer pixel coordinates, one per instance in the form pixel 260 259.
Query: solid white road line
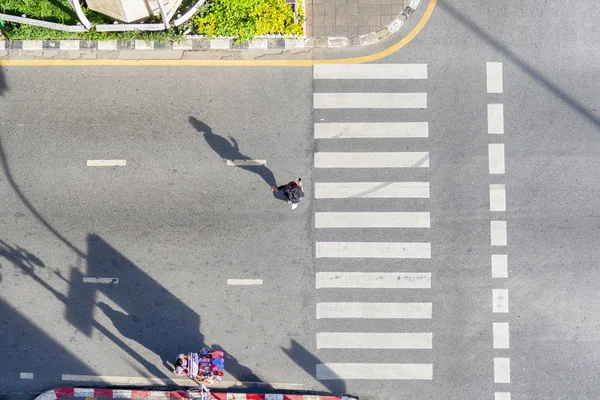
pixel 358 340
pixel 494 77
pixel 495 118
pixel 374 280
pixel 497 197
pixel 26 375
pixel 501 370
pixel 496 158
pixel 498 233
pixel 372 250
pixel 501 335
pixel 100 280
pixel 344 190
pixel 106 163
pixel 374 371
pixel 502 396
pixel 244 281
pixel 244 163
pixel 372 220
pixel 370 71
pixel 499 266
pixel 500 300
pixel 352 130
pixel 409 159
pixel 370 100
pixel 374 310
pixel 151 381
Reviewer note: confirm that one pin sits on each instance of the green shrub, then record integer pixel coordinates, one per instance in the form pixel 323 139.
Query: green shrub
pixel 247 19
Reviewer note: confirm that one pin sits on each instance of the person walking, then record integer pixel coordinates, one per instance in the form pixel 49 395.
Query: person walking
pixel 293 192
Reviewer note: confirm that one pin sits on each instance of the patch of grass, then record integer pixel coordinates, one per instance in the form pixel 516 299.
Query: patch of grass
pixel 58 11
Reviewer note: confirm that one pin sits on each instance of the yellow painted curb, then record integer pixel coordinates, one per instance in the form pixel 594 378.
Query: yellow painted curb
pixel 232 63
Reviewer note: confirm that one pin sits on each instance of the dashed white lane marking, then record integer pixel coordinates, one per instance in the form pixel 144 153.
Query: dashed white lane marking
pixel 106 163
pixel 372 220
pixel 26 375
pixel 374 280
pixel 409 159
pixel 374 310
pixel 372 250
pixel 344 190
pixel 370 71
pixel 149 381
pixel 359 340
pixel 100 280
pixel 245 163
pixel 496 158
pixel 501 335
pixel 244 281
pixel 494 77
pixel 500 300
pixel 371 130
pixel 370 100
pixel 501 370
pixel 497 197
pixel 498 233
pixel 502 396
pixel 499 266
pixel 374 371
pixel 495 118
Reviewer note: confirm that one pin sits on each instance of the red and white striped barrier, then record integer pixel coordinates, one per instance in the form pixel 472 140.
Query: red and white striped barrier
pixel 157 394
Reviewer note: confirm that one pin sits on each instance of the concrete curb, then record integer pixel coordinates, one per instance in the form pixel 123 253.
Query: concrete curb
pixel 156 394
pixel 193 43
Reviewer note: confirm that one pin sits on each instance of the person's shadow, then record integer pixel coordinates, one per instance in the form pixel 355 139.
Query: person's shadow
pixel 231 151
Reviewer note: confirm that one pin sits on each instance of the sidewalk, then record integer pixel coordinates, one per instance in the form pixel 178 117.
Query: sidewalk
pixel 350 17
pixel 90 393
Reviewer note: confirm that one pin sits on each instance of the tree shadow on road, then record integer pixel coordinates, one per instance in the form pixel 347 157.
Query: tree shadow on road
pixel 230 151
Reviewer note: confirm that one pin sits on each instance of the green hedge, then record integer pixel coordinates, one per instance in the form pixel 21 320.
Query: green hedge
pixel 246 19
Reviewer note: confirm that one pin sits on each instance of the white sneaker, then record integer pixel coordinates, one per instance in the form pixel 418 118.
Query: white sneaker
pixel 294 205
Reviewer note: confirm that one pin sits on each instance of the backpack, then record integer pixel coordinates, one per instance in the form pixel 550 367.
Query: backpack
pixel 292 194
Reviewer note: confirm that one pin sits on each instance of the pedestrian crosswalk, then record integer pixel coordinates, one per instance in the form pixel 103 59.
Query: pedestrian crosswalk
pixel 365 129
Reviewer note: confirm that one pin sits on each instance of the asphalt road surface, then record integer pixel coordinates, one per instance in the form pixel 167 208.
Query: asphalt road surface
pixel 453 257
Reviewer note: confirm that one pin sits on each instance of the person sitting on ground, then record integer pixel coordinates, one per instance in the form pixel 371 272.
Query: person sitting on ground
pixel 293 192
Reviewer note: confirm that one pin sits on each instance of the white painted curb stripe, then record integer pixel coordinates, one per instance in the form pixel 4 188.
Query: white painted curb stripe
pixel 143 45
pixel 499 266
pixel 502 396
pixel 69 44
pixel 344 190
pixel 352 130
pixel 374 310
pixel 244 281
pixel 32 45
pixel 84 392
pixel 372 220
pixel 26 375
pixel 101 280
pixel 498 233
pixel 374 280
pixel 494 77
pixel 357 340
pixel 122 394
pixel 501 335
pixel 374 371
pixel 372 250
pixel 241 163
pixel 496 158
pixel 273 396
pixel 370 100
pixel 500 300
pixel 495 118
pixel 501 370
pixel 372 160
pixel 107 45
pixel 370 71
pixel 106 163
pixel 497 197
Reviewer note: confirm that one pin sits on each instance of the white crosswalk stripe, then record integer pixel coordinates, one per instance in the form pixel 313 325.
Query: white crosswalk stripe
pixel 381 190
pixel 356 130
pixel 357 134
